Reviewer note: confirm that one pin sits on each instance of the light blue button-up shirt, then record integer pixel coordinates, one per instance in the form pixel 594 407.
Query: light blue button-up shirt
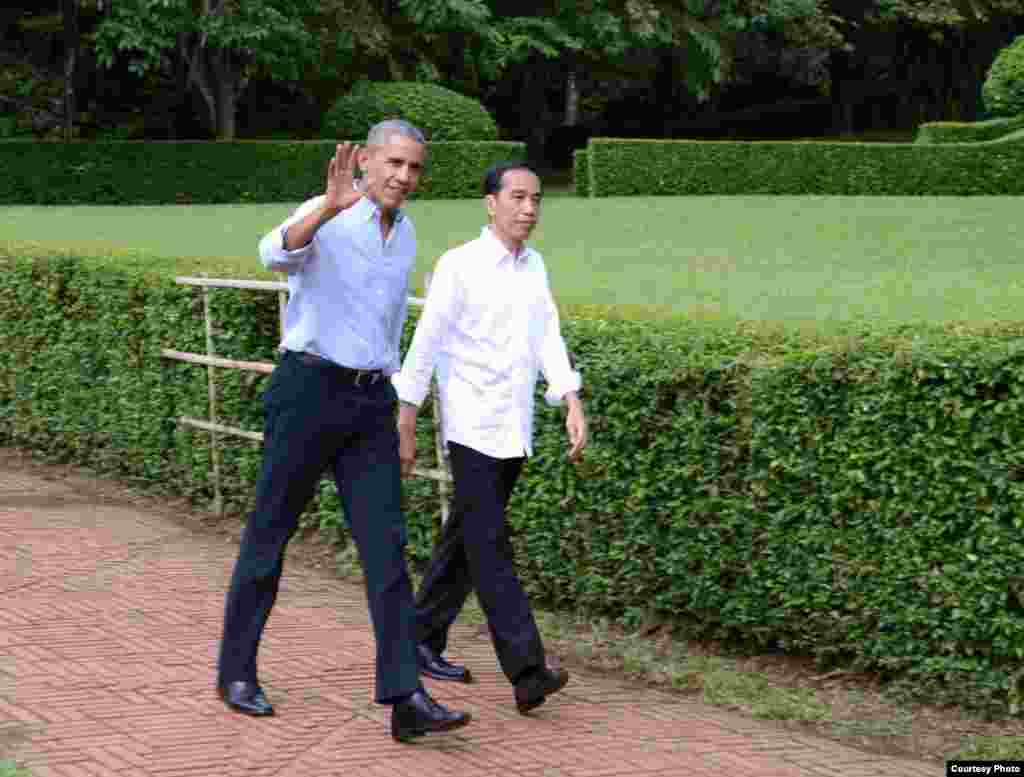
pixel 348 287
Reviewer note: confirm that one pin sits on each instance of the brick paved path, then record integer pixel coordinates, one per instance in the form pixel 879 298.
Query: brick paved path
pixel 109 620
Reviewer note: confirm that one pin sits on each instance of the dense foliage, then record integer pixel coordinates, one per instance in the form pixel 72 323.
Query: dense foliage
pixel 646 167
pixel 857 498
pixel 140 173
pixel 1003 90
pixel 581 173
pixel 624 68
pixel 440 113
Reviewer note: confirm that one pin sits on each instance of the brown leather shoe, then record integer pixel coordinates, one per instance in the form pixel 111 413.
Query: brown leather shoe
pixel 420 714
pixel 533 690
pixel 245 697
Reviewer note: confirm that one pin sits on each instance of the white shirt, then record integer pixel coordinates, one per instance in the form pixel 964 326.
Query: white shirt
pixel 348 288
pixel 488 325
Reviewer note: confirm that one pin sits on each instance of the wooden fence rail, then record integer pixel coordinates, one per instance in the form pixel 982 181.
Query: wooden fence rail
pixel 211 361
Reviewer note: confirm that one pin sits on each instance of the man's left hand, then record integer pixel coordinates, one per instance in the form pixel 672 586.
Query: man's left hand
pixel 407 438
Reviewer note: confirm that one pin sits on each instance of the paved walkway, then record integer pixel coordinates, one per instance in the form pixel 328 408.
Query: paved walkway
pixel 109 620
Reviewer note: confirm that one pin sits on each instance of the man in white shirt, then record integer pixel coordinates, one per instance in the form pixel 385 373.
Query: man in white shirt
pixel 488 326
pixel 330 407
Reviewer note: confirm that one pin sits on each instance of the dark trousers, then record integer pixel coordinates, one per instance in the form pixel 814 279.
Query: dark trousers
pixel 475 551
pixel 317 419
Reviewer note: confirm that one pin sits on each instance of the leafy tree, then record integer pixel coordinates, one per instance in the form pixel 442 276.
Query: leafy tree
pixel 967 32
pixel 220 43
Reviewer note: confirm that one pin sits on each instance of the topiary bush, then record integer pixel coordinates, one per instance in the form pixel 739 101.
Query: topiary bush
pixel 1003 91
pixel 440 113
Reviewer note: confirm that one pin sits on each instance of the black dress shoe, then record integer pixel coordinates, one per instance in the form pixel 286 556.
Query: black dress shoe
pixel 433 665
pixel 245 697
pixel 532 690
pixel 419 715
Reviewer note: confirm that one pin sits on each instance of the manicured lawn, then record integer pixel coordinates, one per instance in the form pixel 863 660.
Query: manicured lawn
pixel 791 259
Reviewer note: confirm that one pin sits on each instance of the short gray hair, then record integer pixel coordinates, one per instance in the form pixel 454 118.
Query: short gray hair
pixel 381 131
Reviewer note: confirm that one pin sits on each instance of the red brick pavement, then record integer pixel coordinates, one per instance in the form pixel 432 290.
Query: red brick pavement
pixel 109 620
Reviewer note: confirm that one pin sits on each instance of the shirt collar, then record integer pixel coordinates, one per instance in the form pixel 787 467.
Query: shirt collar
pixel 497 251
pixel 370 210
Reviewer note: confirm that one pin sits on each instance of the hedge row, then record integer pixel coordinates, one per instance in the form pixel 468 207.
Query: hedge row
pixel 152 173
pixel 858 498
pixel 967 132
pixel 680 167
pixel 580 173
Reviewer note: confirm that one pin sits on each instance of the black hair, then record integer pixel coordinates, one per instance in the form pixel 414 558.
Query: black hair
pixel 495 173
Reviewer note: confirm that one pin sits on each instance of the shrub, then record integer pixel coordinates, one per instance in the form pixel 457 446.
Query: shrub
pixel 968 132
pixel 152 173
pixel 1003 90
pixel 581 173
pixel 440 113
pixel 857 498
pixel 680 167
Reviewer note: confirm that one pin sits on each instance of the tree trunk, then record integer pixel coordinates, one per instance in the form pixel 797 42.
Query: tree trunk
pixel 181 74
pixel 218 79
pixel 537 119
pixel 572 96
pixel 220 83
pixel 226 92
pixel 842 107
pixel 69 10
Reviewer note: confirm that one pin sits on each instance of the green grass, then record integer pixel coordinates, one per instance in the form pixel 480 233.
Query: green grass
pixel 11 769
pixel 985 748
pixel 818 260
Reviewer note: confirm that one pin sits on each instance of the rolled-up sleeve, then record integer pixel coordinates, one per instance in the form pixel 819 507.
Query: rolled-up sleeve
pixel 554 358
pixel 412 382
pixel 272 251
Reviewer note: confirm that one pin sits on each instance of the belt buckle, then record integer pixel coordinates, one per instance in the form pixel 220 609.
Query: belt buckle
pixel 371 377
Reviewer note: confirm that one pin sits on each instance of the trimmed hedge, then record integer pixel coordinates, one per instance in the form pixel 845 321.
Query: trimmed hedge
pixel 581 173
pixel 440 113
pixel 858 498
pixel 681 167
pixel 968 132
pixel 1003 90
pixel 156 173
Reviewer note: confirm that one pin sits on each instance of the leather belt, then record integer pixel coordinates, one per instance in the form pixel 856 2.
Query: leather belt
pixel 356 376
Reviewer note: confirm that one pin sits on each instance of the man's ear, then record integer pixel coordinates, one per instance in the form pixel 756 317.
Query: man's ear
pixel 491 202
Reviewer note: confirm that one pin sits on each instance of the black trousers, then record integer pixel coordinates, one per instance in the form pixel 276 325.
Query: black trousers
pixel 475 551
pixel 318 419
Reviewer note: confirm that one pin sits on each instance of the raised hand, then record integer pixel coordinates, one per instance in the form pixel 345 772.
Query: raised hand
pixel 341 171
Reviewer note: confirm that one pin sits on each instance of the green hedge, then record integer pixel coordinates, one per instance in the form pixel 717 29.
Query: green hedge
pixel 680 167
pixel 581 173
pixel 858 498
pixel 440 113
pixel 968 132
pixel 152 173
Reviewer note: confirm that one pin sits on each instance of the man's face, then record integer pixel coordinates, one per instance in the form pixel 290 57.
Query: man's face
pixel 391 170
pixel 515 209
